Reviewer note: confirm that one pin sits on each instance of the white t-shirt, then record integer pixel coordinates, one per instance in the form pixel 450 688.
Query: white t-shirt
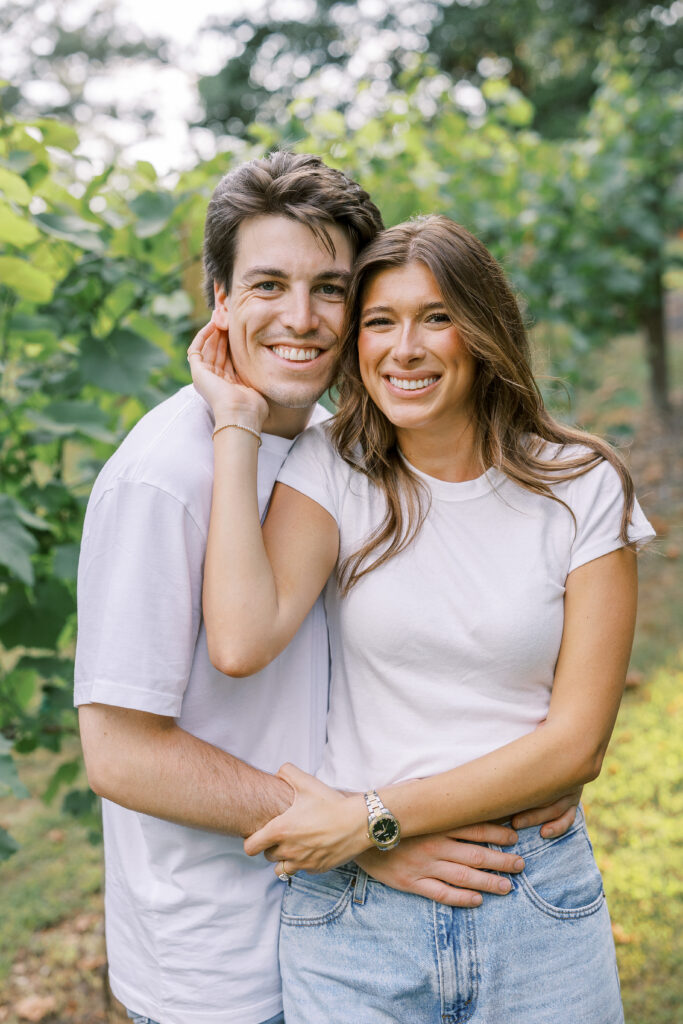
pixel 192 922
pixel 448 650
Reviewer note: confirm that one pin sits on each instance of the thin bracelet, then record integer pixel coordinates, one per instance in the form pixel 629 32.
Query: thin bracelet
pixel 240 426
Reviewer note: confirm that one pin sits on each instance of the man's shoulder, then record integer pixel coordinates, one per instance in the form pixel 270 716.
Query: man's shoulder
pixel 169 448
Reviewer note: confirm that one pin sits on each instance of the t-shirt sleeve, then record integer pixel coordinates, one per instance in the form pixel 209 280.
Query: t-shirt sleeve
pixel 314 468
pixel 139 600
pixel 597 501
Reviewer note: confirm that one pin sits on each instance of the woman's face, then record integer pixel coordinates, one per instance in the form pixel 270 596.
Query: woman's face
pixel 412 360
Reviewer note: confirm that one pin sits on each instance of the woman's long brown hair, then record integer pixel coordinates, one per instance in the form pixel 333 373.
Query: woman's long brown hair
pixel 512 425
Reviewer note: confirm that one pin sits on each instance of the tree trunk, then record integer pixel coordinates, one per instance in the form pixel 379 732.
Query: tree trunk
pixel 654 323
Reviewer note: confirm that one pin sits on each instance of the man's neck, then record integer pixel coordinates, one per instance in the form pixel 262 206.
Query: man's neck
pixel 287 422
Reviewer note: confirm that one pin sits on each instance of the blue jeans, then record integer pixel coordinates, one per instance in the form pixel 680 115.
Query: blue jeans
pixel 137 1019
pixel 353 950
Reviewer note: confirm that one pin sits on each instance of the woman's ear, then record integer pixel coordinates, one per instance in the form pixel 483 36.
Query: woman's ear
pixel 220 309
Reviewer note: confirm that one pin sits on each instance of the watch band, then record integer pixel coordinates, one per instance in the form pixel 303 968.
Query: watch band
pixel 374 804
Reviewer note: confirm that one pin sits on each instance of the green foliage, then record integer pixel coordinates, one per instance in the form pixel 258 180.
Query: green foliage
pixel 94 321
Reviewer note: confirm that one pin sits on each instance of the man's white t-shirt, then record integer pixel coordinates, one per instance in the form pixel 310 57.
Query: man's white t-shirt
pixel 448 650
pixel 191 921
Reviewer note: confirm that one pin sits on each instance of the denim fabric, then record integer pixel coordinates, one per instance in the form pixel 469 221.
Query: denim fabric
pixel 353 950
pixel 137 1019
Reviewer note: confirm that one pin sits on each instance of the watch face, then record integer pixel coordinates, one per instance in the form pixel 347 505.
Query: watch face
pixel 385 830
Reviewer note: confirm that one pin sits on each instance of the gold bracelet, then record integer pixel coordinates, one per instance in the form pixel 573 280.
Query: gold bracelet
pixel 240 426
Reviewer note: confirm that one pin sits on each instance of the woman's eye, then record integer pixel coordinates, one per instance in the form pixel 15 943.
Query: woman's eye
pixel 439 318
pixel 377 321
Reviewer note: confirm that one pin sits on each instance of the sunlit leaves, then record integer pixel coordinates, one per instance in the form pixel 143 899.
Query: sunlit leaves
pixel 25 279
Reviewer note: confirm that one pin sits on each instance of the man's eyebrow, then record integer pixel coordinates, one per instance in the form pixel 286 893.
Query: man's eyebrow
pixel 326 275
pixel 265 272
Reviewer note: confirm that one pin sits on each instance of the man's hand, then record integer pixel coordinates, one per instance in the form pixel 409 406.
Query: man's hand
pixel 555 819
pixel 451 867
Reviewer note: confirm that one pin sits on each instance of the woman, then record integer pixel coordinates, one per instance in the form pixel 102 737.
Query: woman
pixel 485 582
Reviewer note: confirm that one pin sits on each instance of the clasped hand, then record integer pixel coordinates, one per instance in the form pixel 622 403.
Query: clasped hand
pixel 321 830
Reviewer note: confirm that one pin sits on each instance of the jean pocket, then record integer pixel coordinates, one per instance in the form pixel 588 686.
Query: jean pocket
pixel 316 899
pixel 561 877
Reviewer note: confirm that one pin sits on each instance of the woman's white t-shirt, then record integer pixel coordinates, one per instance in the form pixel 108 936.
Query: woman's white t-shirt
pixel 448 650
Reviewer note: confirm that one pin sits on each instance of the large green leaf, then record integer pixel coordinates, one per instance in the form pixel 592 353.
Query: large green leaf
pixel 8 846
pixel 9 780
pixel 64 419
pixel 14 187
pixel 71 228
pixel 57 133
pixel 152 210
pixel 15 229
pixel 16 543
pixel 38 623
pixel 121 362
pixel 26 280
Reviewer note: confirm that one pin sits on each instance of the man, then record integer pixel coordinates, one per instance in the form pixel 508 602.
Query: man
pixel 182 754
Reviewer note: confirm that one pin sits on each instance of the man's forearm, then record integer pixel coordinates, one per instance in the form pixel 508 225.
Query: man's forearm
pixel 149 764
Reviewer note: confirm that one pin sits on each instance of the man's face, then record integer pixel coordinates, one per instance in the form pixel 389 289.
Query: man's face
pixel 284 313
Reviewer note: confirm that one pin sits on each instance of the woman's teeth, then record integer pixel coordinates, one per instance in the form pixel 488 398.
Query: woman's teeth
pixel 412 385
pixel 296 355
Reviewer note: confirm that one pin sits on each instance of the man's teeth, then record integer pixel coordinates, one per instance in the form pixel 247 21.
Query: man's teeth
pixel 296 355
pixel 411 385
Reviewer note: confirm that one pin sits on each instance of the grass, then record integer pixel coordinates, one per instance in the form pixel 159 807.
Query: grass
pixel 635 809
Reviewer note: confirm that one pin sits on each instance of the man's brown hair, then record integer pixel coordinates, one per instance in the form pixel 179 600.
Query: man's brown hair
pixel 296 185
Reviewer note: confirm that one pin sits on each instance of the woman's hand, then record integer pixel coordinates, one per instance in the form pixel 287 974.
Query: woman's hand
pixel 214 377
pixel 321 829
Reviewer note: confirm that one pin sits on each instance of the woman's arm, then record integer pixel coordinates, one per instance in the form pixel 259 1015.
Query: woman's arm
pixel 321 830
pixel 255 597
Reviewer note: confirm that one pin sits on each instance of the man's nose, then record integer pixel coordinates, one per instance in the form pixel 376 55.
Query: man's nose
pixel 298 313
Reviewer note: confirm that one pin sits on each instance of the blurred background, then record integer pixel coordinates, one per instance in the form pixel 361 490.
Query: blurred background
pixel 552 130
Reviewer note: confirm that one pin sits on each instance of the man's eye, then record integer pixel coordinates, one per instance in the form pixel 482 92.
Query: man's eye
pixel 333 290
pixel 266 286
pixel 439 318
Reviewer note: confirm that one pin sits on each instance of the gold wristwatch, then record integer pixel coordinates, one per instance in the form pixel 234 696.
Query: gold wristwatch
pixel 383 827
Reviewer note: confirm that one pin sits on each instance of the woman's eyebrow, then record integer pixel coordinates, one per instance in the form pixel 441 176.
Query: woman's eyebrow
pixel 426 307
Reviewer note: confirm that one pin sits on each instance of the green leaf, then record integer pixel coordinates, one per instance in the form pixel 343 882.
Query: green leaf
pixel 66 419
pixel 65 565
pixel 57 133
pixel 15 229
pixel 26 280
pixel 16 543
pixel 122 362
pixel 38 623
pixel 9 780
pixel 63 776
pixel 8 846
pixel 70 228
pixel 14 187
pixel 153 210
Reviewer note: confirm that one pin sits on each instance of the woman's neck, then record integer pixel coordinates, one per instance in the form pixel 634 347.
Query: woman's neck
pixel 450 458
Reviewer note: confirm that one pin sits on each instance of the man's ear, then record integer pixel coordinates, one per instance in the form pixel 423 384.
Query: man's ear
pixel 220 309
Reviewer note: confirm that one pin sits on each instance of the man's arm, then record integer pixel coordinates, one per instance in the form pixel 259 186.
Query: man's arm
pixel 149 764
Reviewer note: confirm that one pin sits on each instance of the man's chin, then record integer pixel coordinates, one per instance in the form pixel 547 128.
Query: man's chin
pixel 287 396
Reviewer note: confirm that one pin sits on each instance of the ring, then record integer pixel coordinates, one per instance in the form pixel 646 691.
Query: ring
pixel 283 875
pixel 191 354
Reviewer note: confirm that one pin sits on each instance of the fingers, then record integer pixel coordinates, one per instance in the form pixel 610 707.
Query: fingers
pixel 260 841
pixel 481 857
pixel 485 832
pixel 551 813
pixel 463 877
pixel 200 337
pixel 560 825
pixel 449 895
